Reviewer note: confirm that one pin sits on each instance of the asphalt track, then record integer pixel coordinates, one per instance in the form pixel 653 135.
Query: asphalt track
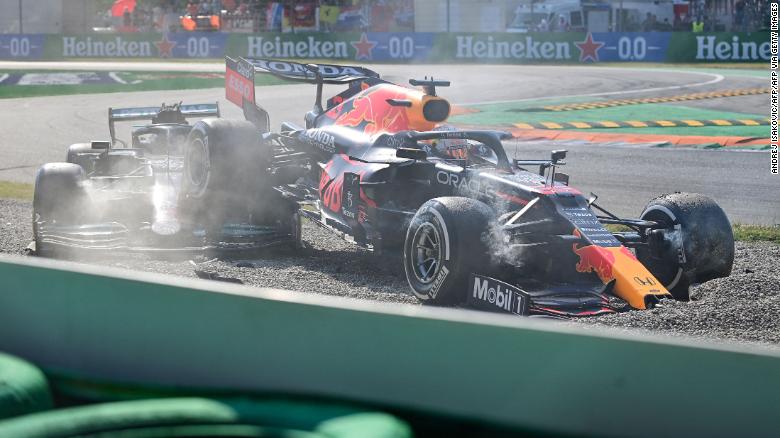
pixel 37 130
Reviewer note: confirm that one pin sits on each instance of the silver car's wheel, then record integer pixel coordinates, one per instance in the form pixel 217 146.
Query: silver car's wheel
pixel 197 166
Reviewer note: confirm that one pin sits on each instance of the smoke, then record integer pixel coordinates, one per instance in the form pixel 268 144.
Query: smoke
pixel 503 245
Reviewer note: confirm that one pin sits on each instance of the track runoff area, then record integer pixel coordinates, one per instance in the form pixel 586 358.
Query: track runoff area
pixel 685 110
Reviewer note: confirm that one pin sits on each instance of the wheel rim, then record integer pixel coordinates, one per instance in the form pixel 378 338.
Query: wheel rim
pixel 198 163
pixel 671 274
pixel 426 253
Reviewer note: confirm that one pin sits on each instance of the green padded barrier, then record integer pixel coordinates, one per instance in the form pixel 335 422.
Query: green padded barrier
pixel 200 416
pixel 23 388
pixel 133 328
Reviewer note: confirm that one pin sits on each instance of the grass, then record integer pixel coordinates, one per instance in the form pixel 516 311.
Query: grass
pixel 694 65
pixel 746 233
pixel 761 131
pixel 15 190
pixel 757 233
pixel 507 113
pixel 501 114
pixel 617 228
pixel 146 81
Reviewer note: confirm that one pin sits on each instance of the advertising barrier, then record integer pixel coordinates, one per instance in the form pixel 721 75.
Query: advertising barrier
pixel 401 47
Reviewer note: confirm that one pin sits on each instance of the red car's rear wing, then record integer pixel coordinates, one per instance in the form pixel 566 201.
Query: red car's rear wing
pixel 240 75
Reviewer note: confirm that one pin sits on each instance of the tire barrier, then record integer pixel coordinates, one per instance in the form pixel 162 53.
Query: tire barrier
pixel 187 417
pixel 23 388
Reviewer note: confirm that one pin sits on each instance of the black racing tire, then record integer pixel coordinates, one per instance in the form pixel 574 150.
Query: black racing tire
pixel 294 223
pixel 283 214
pixel 190 417
pixel 226 176
pixel 697 246
pixel 446 241
pixel 223 157
pixel 23 389
pixel 223 165
pixel 59 197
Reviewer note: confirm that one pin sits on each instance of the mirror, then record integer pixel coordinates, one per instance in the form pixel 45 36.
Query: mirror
pixel 558 155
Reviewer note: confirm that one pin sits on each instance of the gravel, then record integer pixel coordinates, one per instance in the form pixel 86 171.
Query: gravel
pixel 15 225
pixel 744 307
pixel 326 265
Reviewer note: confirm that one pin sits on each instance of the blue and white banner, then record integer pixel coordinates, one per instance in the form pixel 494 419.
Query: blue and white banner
pixel 193 45
pixel 398 46
pixel 632 46
pixel 401 47
pixel 21 46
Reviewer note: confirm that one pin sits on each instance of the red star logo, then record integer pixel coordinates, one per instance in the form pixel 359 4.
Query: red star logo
pixel 363 47
pixel 589 49
pixel 165 47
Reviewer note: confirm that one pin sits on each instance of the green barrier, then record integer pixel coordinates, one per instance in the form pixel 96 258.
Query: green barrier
pixel 203 417
pixel 138 328
pixel 718 47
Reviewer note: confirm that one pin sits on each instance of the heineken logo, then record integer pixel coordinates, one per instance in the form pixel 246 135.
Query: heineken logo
pixel 522 48
pixel 310 47
pixel 114 47
pixel 730 49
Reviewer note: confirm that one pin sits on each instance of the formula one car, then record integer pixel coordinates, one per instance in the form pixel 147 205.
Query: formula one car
pixel 375 165
pixel 111 196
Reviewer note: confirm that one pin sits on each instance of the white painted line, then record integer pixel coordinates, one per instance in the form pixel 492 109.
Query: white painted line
pixel 3 77
pixel 116 77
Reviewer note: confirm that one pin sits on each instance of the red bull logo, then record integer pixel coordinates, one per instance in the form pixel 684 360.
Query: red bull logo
pixel 370 110
pixel 596 259
pixel 362 110
pixel 620 264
